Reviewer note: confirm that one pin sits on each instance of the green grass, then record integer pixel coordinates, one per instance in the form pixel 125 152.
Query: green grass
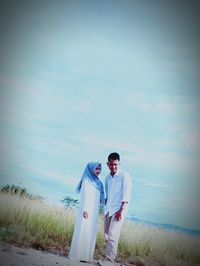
pixel 33 223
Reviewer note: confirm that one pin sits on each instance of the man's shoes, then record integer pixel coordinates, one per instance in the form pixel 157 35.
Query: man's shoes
pixel 105 262
pixel 111 260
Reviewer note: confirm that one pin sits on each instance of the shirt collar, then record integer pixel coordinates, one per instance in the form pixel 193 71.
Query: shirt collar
pixel 116 174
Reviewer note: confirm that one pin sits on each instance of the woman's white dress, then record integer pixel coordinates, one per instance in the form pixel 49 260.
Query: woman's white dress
pixel 85 230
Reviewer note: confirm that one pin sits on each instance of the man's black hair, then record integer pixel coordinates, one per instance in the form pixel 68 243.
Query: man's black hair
pixel 113 156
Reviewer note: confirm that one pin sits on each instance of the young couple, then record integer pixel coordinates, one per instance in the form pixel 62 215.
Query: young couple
pixel 115 202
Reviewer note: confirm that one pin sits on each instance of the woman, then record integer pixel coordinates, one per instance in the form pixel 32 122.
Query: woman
pixel 85 230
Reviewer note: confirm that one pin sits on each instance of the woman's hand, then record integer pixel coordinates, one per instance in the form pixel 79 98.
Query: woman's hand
pixel 85 215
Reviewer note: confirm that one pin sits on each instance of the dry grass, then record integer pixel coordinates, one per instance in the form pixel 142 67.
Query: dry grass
pixel 36 224
pixel 166 247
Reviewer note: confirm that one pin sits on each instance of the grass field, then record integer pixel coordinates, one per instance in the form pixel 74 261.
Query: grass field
pixel 33 223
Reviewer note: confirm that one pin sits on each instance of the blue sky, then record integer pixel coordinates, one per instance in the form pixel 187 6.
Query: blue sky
pixel 80 79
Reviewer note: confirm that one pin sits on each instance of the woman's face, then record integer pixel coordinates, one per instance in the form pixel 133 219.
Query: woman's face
pixel 97 170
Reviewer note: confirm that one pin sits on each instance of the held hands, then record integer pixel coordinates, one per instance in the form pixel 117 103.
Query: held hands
pixel 85 215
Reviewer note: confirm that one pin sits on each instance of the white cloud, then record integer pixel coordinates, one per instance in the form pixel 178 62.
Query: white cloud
pixel 51 175
pixel 91 140
pixel 11 153
pixel 54 175
pixel 192 140
pixel 161 103
pixel 143 155
pixel 188 140
pixel 155 185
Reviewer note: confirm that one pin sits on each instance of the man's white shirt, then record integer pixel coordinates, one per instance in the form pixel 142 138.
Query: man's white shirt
pixel 118 189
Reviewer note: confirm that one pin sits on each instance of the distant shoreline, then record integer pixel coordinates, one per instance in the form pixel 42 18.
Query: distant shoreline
pixel 170 227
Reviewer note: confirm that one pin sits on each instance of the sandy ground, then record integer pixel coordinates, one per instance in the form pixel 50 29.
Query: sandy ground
pixel 16 256
pixel 11 255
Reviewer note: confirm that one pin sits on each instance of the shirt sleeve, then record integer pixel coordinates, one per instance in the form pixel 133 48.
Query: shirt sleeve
pixel 127 188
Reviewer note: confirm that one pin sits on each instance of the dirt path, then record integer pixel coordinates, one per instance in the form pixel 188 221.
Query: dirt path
pixel 16 256
pixel 11 255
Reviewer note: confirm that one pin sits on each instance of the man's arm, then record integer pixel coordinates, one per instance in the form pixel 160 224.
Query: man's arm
pixel 127 187
pixel 124 205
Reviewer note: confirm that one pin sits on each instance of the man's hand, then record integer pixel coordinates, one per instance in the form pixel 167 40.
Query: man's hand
pixel 118 215
pixel 85 215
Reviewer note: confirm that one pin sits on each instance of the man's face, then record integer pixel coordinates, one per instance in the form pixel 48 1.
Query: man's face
pixel 113 166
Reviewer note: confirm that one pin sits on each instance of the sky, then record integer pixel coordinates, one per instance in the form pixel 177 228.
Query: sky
pixel 81 79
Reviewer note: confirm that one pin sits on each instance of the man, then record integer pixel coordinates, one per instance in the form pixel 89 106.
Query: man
pixel 118 187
